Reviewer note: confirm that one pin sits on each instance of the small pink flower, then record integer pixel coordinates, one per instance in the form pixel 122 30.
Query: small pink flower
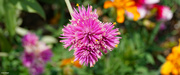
pixel 36 54
pixel 164 13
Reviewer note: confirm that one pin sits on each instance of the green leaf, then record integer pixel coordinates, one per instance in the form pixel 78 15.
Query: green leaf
pixel 21 31
pixel 10 18
pixel 4 44
pixel 161 58
pixel 150 58
pixel 141 70
pixel 31 6
pixel 1 8
pixel 137 40
pixel 49 39
pixel 3 54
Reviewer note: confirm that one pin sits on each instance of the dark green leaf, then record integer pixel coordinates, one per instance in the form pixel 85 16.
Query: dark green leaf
pixel 4 44
pixel 31 6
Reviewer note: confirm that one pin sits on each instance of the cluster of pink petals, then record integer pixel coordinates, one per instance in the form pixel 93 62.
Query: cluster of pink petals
pixel 30 39
pixel 146 2
pixel 88 36
pixel 36 54
pixel 144 6
pixel 164 13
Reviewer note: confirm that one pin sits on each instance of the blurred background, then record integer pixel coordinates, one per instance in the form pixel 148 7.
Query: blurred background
pixel 142 50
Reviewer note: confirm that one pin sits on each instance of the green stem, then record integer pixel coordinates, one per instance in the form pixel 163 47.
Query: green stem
pixel 69 7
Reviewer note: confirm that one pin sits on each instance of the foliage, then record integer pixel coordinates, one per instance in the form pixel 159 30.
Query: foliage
pixel 140 51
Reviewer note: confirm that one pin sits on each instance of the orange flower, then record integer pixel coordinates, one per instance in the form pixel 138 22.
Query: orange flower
pixel 121 6
pixel 55 19
pixel 69 61
pixel 172 64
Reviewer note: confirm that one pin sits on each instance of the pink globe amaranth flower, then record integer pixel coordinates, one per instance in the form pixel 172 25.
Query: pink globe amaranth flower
pixel 29 39
pixel 164 13
pixel 35 55
pixel 88 36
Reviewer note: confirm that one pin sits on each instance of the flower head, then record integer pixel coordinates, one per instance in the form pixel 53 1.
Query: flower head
pixel 122 6
pixel 30 39
pixel 36 54
pixel 164 13
pixel 87 35
pixel 172 64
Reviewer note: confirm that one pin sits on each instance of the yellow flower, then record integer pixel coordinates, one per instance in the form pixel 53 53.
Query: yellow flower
pixel 68 61
pixel 172 64
pixel 121 6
